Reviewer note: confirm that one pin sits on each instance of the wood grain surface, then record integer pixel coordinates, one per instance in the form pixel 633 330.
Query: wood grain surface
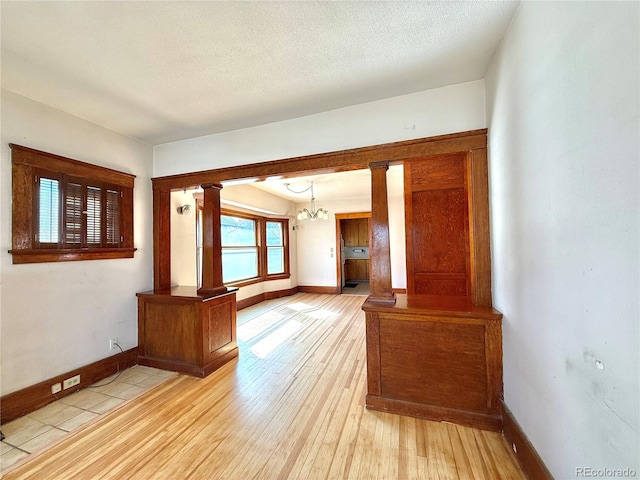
pixel 292 406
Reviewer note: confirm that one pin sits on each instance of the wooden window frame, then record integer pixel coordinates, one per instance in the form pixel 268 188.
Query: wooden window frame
pixel 27 166
pixel 261 234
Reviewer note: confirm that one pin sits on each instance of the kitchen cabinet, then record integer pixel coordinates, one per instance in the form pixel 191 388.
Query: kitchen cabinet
pixel 356 269
pixel 356 232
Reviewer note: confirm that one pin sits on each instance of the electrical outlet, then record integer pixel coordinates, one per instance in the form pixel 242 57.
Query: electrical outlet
pixel 112 343
pixel 71 382
pixel 55 388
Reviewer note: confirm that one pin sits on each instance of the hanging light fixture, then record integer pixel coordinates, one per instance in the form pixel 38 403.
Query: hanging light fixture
pixel 312 214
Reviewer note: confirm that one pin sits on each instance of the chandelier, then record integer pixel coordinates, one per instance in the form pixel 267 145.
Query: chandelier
pixel 312 214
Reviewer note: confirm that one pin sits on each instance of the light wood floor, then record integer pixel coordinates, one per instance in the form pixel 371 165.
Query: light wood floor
pixel 291 407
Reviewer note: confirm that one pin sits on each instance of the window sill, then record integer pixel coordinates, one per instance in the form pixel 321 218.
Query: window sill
pixel 68 255
pixel 251 281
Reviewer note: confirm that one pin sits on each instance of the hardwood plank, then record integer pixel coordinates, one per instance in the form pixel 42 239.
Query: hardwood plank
pixel 291 406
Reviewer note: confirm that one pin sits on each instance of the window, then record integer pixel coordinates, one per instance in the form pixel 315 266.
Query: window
pixel 254 248
pixel 275 247
pixel 239 248
pixel 67 210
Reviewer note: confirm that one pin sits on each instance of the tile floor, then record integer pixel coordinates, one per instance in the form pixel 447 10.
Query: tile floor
pixel 47 425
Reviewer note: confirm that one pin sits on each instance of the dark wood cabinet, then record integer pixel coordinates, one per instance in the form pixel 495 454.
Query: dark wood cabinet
pixel 182 331
pixel 356 269
pixel 356 232
pixel 437 360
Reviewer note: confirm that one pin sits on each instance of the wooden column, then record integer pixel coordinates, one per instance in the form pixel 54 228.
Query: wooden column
pixel 380 254
pixel 211 242
pixel 161 239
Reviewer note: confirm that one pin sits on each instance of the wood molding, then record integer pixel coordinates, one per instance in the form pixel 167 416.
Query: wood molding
pixel 322 290
pixel 529 460
pixel 36 158
pixel 400 291
pixel 280 293
pixel 482 421
pixel 161 240
pixel 27 400
pixel 341 160
pixel 247 302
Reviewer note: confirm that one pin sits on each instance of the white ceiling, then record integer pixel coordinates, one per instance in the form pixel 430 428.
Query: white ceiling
pixel 331 186
pixel 166 71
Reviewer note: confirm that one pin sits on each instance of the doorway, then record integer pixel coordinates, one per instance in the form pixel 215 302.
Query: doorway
pixel 353 237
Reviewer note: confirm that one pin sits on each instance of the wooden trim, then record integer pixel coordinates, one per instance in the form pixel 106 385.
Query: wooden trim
pixel 482 421
pixel 321 290
pixel 341 160
pixel 479 223
pixel 63 255
pixel 27 400
pixel 247 302
pixel 280 293
pixel 161 239
pixel 353 215
pixel 529 460
pixel 34 158
pixel 400 291
pixel 338 256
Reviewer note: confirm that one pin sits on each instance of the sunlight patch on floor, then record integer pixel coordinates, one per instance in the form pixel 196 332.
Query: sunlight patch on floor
pixel 258 325
pixel 299 306
pixel 321 314
pixel 268 344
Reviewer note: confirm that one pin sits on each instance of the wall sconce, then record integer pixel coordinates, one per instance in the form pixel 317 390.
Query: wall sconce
pixel 184 209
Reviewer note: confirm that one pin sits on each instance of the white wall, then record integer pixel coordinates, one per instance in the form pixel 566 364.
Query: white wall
pixel 59 316
pixel 562 98
pixel 317 262
pixel 451 109
pixel 183 239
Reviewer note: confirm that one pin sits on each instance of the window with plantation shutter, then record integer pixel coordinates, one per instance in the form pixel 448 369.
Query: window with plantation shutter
pixel 66 210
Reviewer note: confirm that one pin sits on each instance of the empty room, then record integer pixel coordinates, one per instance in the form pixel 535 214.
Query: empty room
pixel 320 240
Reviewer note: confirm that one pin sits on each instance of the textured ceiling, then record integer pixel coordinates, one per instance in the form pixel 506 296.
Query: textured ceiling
pixel 166 71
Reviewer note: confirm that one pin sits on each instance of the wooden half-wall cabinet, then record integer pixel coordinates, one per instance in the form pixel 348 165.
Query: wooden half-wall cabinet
pixel 183 331
pixel 435 359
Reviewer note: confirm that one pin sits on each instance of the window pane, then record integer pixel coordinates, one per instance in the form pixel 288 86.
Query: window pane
pixel 239 263
pixel 113 217
pixel 49 211
pixel 73 214
pixel 274 234
pixel 94 212
pixel 237 232
pixel 275 260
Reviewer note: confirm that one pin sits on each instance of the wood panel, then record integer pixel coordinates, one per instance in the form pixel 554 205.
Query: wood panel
pixel 27 400
pixel 437 226
pixel 434 362
pixel 296 411
pixel 186 332
pixel 435 359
